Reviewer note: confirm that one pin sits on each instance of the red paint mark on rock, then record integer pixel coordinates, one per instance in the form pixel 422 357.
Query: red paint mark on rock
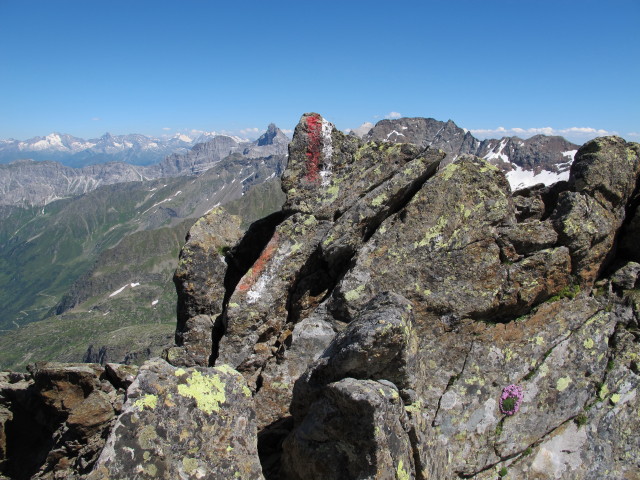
pixel 314 147
pixel 259 266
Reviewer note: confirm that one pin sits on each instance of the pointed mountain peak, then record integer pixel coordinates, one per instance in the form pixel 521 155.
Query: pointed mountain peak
pixel 270 135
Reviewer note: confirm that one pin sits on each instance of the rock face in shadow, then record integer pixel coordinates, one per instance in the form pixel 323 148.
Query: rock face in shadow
pixel 378 325
pixel 54 420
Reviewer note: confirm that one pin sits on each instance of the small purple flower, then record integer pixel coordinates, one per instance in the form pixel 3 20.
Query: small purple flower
pixel 511 399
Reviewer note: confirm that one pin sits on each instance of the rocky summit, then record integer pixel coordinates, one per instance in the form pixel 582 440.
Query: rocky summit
pixel 405 315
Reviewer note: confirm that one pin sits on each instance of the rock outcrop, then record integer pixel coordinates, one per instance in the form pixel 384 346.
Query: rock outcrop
pixel 401 295
pixel 400 318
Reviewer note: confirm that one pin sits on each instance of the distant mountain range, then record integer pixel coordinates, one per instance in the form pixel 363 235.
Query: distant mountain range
pixel 28 183
pixel 71 151
pixel 539 159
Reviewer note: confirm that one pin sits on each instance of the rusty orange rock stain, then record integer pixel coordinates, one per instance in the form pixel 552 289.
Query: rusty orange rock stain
pixel 259 266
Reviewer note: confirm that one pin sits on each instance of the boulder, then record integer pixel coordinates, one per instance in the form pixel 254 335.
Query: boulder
pixel 449 251
pixel 380 317
pixel 356 429
pixel 196 422
pixel 588 218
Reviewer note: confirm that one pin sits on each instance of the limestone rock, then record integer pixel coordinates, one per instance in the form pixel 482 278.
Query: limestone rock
pixel 183 423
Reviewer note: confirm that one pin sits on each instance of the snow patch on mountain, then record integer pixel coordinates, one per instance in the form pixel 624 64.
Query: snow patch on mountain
pixel 519 178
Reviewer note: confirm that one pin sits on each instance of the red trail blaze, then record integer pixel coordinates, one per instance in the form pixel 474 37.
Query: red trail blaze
pixel 314 148
pixel 260 265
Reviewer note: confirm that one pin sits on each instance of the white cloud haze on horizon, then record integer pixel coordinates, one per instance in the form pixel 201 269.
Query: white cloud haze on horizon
pixel 572 133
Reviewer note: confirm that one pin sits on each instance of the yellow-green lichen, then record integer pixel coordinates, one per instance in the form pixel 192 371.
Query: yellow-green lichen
pixel 146 437
pixel 488 168
pixel 234 305
pixel 333 191
pixel 148 401
pixel 448 171
pixel 179 372
pixel 543 370
pixel 246 391
pixel 434 232
pixel 151 470
pixel 508 354
pixel 615 398
pixel 189 465
pixel 376 202
pixel 228 369
pixel 414 407
pixel 207 391
pixel 401 473
pixel 604 391
pixel 354 294
pixel 563 383
pixel 588 343
pixel 539 340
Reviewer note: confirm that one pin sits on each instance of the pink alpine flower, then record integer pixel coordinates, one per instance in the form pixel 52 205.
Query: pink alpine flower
pixel 511 399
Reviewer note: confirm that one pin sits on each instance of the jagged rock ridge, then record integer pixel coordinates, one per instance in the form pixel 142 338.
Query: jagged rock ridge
pixel 539 159
pixel 377 319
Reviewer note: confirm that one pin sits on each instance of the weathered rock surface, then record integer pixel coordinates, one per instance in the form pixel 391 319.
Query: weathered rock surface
pixel 356 429
pixel 183 423
pixel 588 218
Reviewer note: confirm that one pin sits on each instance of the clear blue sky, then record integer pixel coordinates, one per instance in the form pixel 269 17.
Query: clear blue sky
pixel 85 67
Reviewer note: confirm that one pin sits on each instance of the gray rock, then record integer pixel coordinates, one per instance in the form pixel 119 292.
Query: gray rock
pixel 183 423
pixel 356 429
pixel 626 276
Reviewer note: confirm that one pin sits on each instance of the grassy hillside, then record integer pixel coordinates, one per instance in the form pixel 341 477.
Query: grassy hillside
pixel 118 299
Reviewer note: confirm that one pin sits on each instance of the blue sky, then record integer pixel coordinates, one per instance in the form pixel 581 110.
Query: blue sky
pixel 162 67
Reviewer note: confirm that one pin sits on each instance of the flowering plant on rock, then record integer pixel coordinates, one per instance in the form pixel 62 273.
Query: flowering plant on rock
pixel 511 399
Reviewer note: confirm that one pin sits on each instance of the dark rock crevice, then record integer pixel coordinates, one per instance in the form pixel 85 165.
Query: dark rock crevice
pixel 270 440
pixel 240 259
pixel 450 383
